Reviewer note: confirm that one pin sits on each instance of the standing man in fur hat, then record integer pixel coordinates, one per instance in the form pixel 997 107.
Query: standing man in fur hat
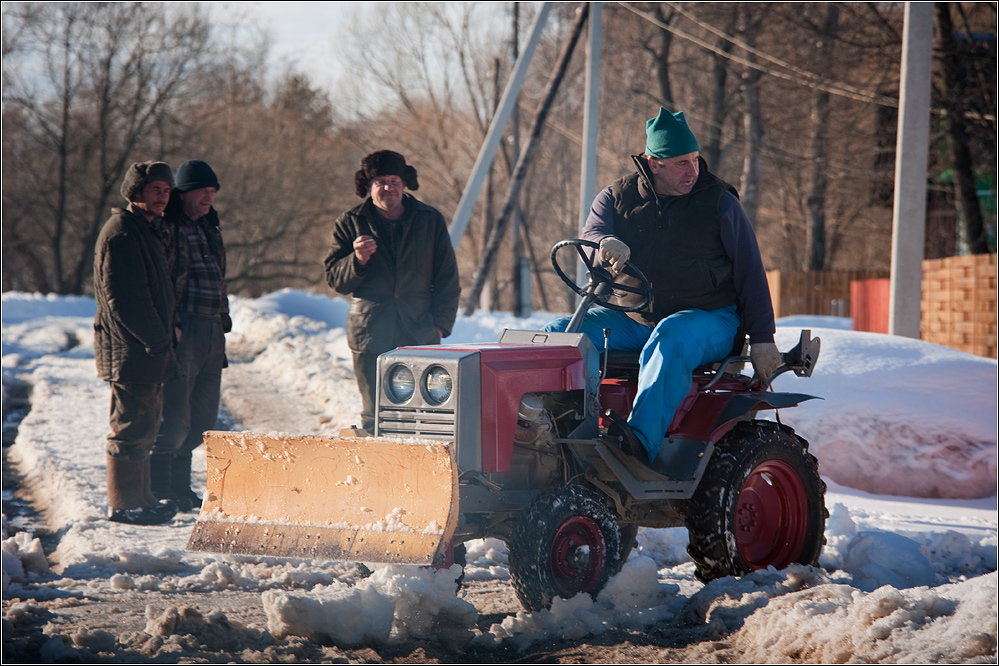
pixel 393 255
pixel 134 338
pixel 191 401
pixel 687 232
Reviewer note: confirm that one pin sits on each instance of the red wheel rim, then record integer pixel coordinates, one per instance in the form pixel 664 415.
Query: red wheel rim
pixel 577 556
pixel 771 517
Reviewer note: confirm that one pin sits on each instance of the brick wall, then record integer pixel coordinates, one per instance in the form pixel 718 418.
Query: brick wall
pixel 959 303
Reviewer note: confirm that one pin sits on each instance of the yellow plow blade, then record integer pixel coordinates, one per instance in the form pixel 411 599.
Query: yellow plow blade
pixel 359 499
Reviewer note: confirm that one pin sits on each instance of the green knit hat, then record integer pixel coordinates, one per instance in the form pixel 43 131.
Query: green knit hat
pixel 669 136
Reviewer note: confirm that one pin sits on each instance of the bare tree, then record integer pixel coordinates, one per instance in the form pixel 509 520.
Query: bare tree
pixel 819 151
pixel 286 171
pixel 954 98
pixel 90 82
pixel 752 162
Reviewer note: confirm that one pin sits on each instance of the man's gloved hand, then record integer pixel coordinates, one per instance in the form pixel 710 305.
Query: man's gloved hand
pixel 765 358
pixel 615 252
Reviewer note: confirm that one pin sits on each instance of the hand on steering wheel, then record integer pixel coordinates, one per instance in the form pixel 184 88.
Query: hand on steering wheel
pixel 602 285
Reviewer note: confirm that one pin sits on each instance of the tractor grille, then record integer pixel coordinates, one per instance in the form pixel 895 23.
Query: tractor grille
pixel 417 422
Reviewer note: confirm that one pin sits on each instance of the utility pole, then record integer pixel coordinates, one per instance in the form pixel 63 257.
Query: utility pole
pixel 520 268
pixel 520 170
pixel 488 149
pixel 909 210
pixel 591 123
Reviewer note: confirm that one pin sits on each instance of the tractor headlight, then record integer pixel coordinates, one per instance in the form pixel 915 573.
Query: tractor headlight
pixel 438 383
pixel 401 383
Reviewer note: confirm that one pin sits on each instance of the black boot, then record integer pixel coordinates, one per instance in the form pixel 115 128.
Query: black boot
pixel 180 482
pixel 630 443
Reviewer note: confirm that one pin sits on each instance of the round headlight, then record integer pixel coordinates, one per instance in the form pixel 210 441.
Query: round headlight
pixel 438 385
pixel 401 383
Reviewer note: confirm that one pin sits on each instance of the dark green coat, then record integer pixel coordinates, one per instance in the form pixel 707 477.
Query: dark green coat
pixel 133 327
pixel 408 289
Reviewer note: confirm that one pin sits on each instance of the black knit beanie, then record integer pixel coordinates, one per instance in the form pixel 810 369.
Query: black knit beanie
pixel 141 174
pixel 384 163
pixel 195 174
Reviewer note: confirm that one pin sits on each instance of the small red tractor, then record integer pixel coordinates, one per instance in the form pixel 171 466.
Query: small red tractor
pixel 509 440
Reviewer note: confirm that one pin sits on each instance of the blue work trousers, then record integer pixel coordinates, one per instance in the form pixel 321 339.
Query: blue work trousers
pixel 670 352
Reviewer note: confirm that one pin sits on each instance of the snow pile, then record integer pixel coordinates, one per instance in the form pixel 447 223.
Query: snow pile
pixel 23 559
pixel 486 559
pixel 898 416
pixel 837 624
pixel 181 628
pixel 396 603
pixel 633 599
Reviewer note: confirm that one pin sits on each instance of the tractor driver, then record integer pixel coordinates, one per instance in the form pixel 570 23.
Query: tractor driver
pixel 685 229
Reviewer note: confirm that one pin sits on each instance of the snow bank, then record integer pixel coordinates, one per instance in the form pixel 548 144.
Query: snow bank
pixel 898 416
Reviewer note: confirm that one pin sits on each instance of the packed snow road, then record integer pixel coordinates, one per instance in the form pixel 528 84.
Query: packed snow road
pixel 902 579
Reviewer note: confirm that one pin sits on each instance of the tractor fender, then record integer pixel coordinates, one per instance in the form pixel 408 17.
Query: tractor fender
pixel 742 404
pixel 717 413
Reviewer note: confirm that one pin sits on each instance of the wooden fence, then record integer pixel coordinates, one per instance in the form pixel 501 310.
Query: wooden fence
pixel 815 292
pixel 869 306
pixel 959 303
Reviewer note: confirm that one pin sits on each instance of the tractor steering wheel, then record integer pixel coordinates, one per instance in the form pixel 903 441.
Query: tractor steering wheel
pixel 602 286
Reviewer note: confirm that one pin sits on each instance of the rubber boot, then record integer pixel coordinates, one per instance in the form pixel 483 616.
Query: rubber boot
pixel 160 467
pixel 630 443
pixel 151 499
pixel 127 488
pixel 180 473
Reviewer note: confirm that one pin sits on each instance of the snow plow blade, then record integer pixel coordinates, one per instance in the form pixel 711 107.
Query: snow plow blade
pixel 358 499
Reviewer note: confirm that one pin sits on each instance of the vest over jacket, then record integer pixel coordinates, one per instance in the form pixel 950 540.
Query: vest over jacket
pixel 676 242
pixel 133 327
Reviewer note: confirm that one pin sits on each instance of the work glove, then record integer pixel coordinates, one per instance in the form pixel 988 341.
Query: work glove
pixel 614 252
pixel 765 358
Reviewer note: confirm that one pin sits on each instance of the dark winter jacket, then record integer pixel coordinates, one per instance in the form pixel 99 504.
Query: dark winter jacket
pixel 408 289
pixel 178 254
pixel 133 327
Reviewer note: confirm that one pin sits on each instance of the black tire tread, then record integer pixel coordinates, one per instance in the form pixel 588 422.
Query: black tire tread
pixel 708 512
pixel 529 546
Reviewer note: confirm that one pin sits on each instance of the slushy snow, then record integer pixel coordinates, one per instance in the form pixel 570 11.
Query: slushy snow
pixel 905 436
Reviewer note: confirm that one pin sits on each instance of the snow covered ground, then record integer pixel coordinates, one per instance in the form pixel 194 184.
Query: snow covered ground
pixel 905 437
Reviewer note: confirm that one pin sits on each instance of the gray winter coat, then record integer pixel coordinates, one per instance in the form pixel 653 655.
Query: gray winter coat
pixel 133 327
pixel 408 289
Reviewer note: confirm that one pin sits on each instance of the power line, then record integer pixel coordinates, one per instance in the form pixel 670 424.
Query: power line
pixel 815 82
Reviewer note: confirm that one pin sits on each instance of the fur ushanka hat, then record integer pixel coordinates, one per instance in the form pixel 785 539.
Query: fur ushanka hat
pixel 384 163
pixel 141 174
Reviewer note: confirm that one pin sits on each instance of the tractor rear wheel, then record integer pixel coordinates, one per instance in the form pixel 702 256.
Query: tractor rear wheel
pixel 760 503
pixel 566 542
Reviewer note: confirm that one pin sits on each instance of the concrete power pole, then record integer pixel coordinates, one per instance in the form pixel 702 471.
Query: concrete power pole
pixel 591 124
pixel 909 211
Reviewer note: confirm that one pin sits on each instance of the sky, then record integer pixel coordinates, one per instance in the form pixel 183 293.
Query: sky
pixel 303 34
pixel 905 436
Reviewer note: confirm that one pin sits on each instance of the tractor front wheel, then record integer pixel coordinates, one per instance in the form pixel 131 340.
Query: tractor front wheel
pixel 566 542
pixel 760 503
